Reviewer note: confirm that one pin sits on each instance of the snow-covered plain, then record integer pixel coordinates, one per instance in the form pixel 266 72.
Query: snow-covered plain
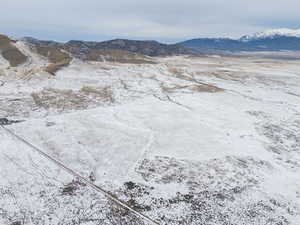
pixel 212 140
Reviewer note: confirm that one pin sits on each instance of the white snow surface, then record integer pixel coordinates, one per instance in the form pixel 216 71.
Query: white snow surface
pixel 236 151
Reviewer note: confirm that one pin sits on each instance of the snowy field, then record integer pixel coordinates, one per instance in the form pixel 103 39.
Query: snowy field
pixel 212 140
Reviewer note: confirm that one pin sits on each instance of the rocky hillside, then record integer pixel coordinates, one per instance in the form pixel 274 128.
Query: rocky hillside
pixel 10 52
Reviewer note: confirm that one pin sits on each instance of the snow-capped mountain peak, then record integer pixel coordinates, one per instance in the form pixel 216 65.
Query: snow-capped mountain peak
pixel 272 33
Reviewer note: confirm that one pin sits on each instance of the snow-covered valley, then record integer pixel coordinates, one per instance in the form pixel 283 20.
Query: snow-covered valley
pixel 187 140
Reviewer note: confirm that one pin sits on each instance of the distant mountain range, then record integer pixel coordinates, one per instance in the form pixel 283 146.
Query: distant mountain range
pixel 82 49
pixel 271 40
pixel 57 55
pixel 60 54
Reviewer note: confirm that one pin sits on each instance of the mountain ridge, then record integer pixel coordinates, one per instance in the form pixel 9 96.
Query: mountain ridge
pixel 272 33
pixel 148 47
pixel 270 40
pixel 53 56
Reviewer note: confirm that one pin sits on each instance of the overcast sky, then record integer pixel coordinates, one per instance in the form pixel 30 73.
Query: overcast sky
pixel 163 20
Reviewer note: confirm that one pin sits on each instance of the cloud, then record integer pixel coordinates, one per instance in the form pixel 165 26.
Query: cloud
pixel 168 20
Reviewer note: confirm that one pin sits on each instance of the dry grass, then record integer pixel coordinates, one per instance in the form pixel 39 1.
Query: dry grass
pixel 54 67
pixel 57 57
pixel 9 52
pixel 105 93
pixel 196 86
pixel 205 88
pixel 225 75
pixel 179 73
pixel 63 100
pixel 173 89
pixel 117 56
pixel 54 55
pixel 193 88
pixel 176 71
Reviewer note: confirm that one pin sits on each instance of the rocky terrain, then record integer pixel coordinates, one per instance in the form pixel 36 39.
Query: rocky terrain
pixel 181 139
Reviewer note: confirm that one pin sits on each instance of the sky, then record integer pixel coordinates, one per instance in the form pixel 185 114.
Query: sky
pixel 168 21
